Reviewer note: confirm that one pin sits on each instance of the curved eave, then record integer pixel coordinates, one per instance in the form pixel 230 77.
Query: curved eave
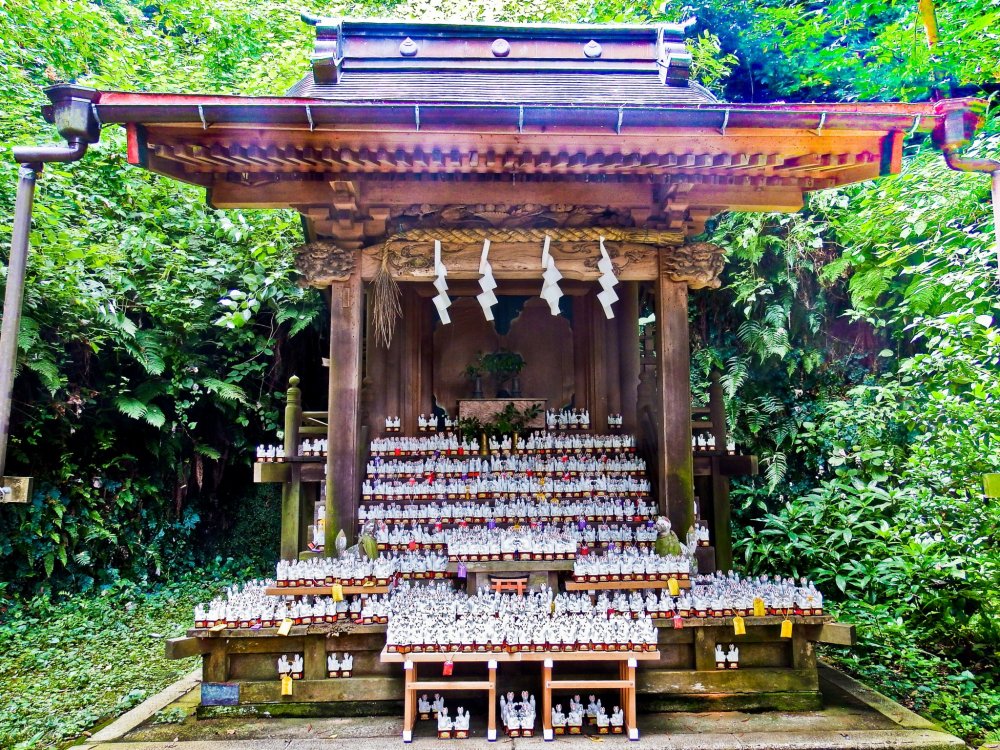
pixel 668 166
pixel 504 116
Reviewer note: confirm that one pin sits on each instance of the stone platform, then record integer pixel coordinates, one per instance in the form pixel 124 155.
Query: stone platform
pixel 854 717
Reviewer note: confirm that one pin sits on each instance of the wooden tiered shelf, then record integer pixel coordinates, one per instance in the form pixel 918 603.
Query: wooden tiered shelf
pixel 512 566
pixel 325 590
pixel 623 585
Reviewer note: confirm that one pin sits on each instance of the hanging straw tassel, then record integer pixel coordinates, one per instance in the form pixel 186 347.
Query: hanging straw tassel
pixel 386 308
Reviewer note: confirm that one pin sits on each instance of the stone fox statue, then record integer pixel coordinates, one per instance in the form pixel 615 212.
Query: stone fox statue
pixel 667 543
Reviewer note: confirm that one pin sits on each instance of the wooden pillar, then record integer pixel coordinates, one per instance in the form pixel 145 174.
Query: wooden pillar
pixel 374 374
pixel 215 664
pixel 600 353
pixel 704 648
pixel 391 386
pixel 342 481
pixel 314 656
pixel 426 312
pixel 722 533
pixel 417 361
pixel 292 526
pixel 613 371
pixel 583 358
pixel 675 461
pixel 628 345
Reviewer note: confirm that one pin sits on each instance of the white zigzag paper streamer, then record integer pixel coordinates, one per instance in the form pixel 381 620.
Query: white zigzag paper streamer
pixel 442 302
pixel 550 284
pixel 487 298
pixel 609 281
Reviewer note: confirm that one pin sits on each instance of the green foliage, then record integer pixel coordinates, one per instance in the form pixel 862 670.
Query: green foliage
pixel 508 421
pixel 502 365
pixel 881 500
pixel 152 324
pixel 69 663
pixel 251 531
pixel 174 715
pixel 843 51
pixel 513 421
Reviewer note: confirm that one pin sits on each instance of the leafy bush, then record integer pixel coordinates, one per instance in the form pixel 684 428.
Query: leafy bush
pixel 155 329
pixel 880 499
pixel 71 662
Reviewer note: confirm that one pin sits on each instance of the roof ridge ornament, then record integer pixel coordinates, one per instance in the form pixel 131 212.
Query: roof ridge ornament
pixel 673 57
pixel 408 48
pixel 500 48
pixel 592 49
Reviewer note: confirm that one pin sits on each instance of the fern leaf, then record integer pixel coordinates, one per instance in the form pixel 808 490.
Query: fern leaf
pixel 777 466
pixel 226 391
pixel 208 451
pixel 149 352
pixel 154 415
pixel 48 373
pixel 131 407
pixel 149 390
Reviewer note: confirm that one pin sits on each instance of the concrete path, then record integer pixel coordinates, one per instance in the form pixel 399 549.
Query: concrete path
pixel 854 718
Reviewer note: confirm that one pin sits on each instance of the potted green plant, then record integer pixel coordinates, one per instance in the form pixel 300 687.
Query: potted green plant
pixel 513 421
pixel 504 366
pixel 474 372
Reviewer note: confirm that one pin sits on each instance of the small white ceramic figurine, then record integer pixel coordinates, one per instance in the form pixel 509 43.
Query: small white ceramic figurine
pixel 617 720
pixel 445 724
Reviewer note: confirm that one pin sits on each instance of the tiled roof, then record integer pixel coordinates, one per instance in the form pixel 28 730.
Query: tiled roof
pixel 465 87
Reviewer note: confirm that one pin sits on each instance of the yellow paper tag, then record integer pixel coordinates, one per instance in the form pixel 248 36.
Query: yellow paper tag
pixel 739 627
pixel 786 629
pixel 759 608
pixel 286 684
pixel 337 592
pixel 219 627
pixel 673 587
pixel 285 627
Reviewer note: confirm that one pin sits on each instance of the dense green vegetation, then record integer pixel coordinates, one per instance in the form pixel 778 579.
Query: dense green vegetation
pixel 71 665
pixel 860 342
pixel 875 432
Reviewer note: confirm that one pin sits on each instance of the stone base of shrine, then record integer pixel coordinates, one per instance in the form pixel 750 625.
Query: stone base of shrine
pixel 776 669
pixel 853 717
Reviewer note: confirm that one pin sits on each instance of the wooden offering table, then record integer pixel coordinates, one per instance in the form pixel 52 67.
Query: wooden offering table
pixel 625 684
pixel 412 684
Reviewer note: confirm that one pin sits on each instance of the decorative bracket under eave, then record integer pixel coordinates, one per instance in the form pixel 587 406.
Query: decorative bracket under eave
pixel 514 254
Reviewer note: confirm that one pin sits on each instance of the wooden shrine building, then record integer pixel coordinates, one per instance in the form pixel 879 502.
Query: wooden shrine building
pixel 404 134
